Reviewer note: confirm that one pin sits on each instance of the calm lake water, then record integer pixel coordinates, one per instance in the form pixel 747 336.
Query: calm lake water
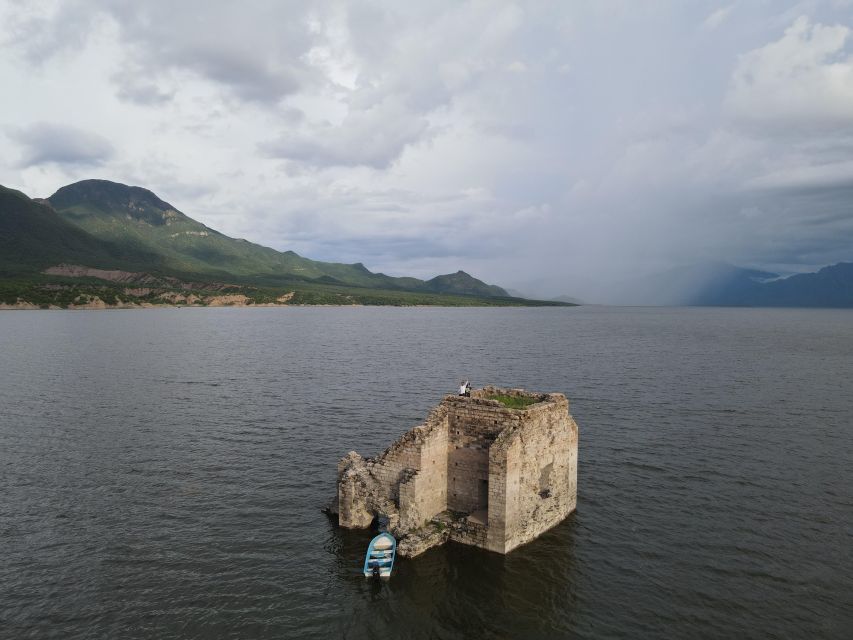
pixel 163 472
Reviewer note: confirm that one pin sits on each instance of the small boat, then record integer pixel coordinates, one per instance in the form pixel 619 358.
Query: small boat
pixel 380 556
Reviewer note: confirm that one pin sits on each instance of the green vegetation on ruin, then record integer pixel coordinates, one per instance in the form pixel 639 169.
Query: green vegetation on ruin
pixel 513 402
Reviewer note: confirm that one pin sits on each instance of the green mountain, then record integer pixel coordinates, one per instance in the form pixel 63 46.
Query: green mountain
pixel 463 284
pixel 97 243
pixel 136 218
pixel 33 236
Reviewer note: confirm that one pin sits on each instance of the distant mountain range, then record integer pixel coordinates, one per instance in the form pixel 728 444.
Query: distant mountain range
pixel 720 284
pixel 103 225
pixel 99 232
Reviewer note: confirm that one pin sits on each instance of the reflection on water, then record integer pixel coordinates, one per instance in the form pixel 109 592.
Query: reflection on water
pixel 163 473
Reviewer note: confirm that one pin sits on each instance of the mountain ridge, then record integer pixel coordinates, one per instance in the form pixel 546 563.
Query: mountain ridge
pixel 137 216
pixel 711 284
pixel 99 244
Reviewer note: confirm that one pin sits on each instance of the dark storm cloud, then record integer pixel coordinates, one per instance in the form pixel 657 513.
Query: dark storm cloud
pixel 53 143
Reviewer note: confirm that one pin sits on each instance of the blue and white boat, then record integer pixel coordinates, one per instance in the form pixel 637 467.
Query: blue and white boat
pixel 380 556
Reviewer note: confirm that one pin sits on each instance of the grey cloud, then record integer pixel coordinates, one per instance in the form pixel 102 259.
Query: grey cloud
pixel 372 250
pixel 565 143
pixel 821 176
pixel 53 143
pixel 40 36
pixel 134 86
pixel 508 130
pixel 254 49
pixel 374 138
pixel 343 225
pixel 242 71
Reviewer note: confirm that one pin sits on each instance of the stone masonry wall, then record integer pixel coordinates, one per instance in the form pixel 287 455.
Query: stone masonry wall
pixel 471 534
pixel 540 481
pixel 515 469
pixel 474 423
pixel 407 482
pixel 423 493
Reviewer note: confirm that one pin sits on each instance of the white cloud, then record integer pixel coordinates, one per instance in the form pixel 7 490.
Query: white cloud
pixel 717 17
pixel 803 80
pixel 798 177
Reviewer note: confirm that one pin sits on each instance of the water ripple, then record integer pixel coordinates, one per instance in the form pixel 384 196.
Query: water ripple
pixel 164 479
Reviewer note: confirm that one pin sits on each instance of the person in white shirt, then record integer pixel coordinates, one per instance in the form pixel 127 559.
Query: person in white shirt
pixel 465 388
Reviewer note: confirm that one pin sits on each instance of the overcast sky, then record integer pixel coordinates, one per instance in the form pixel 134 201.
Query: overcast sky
pixel 550 147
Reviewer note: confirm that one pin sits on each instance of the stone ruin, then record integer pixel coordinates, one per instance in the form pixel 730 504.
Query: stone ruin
pixel 475 472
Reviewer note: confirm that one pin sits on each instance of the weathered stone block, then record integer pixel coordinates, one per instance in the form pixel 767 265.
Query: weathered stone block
pixel 504 475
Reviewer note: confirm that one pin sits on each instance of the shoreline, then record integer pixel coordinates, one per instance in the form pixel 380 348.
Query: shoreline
pixel 28 306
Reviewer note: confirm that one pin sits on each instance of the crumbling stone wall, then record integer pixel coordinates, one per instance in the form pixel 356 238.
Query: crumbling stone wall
pixel 407 483
pixel 476 472
pixel 359 495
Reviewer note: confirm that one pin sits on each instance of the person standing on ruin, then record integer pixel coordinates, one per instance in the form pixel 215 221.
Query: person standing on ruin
pixel 465 388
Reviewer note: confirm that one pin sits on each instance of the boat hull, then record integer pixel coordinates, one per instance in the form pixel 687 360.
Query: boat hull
pixel 379 560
